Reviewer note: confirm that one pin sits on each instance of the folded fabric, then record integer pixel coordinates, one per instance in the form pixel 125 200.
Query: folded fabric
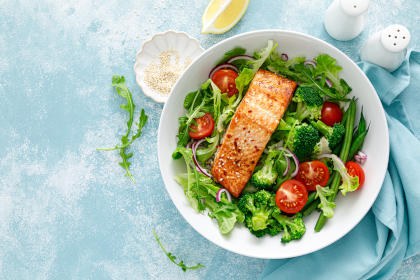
pixel 390 232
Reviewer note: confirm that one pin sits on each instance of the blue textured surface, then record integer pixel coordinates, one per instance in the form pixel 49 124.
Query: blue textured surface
pixel 66 210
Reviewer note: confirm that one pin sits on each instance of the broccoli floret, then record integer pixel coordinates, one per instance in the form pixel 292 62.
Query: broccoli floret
pixel 274 228
pixel 303 139
pixel 257 208
pixel 333 134
pixel 265 177
pixel 309 103
pixel 257 233
pixel 293 227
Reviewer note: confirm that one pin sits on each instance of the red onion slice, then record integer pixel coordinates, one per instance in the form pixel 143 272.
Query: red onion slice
pixel 329 156
pixel 188 145
pixel 296 160
pixel 360 158
pixel 223 66
pixel 284 57
pixel 219 195
pixel 328 82
pixel 244 56
pixel 288 165
pixel 194 149
pixel 310 62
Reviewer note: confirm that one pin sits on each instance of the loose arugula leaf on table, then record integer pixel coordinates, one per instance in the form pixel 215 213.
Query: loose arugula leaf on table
pixel 118 82
pixel 173 258
pixel 140 124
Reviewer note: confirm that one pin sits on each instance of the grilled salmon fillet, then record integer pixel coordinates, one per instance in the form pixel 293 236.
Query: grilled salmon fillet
pixel 255 119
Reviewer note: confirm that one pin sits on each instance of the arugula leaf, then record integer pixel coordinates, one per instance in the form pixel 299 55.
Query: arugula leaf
pixel 308 78
pixel 118 82
pixel 140 124
pixel 326 65
pixel 189 99
pixel 125 163
pixel 173 258
pixel 234 52
pixel 244 79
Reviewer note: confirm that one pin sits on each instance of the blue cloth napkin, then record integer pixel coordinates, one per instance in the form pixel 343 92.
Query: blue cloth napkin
pixel 390 232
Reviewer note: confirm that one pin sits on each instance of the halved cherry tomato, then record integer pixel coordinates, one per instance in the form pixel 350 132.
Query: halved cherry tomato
pixel 331 113
pixel 291 196
pixel 312 173
pixel 355 170
pixel 204 127
pixel 225 81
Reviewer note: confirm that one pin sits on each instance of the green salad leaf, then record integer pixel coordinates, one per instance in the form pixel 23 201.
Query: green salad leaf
pixel 234 52
pixel 118 82
pixel 204 189
pixel 326 206
pixel 173 258
pixel 309 76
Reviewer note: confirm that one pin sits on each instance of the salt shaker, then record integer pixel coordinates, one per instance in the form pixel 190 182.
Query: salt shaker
pixel 344 19
pixel 387 48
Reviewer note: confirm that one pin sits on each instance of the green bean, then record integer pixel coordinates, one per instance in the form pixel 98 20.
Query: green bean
pixel 311 208
pixel 343 120
pixel 343 155
pixel 329 181
pixel 357 144
pixel 361 128
pixel 337 149
pixel 311 197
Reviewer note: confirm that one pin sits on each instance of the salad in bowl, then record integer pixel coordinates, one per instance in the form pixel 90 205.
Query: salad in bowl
pixel 272 142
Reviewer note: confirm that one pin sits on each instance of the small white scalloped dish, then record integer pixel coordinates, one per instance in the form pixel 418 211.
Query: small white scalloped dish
pixel 349 210
pixel 186 46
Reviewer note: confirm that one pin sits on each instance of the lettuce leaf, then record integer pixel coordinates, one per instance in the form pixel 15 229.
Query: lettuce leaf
pixel 326 206
pixel 226 213
pixel 349 183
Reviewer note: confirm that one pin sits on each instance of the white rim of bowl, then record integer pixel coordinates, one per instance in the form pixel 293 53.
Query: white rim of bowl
pixel 373 198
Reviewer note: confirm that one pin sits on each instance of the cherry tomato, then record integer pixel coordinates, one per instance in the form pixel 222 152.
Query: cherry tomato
pixel 355 170
pixel 312 173
pixel 204 127
pixel 291 196
pixel 225 80
pixel 331 113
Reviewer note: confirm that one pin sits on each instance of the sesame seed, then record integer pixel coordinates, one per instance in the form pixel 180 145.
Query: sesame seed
pixel 161 77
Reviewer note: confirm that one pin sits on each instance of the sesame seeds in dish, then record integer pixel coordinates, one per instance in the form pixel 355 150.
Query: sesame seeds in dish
pixel 162 60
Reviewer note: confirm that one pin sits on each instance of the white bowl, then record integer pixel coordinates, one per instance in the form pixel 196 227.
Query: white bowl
pixel 187 47
pixel 350 209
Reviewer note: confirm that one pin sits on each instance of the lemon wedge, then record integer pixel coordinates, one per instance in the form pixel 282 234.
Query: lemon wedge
pixel 222 15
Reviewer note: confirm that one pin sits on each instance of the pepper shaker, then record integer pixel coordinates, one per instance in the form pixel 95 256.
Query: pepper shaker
pixel 387 48
pixel 344 19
